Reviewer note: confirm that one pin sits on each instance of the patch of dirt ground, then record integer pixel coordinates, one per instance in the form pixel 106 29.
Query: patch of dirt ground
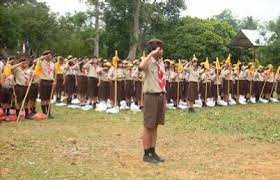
pixel 103 150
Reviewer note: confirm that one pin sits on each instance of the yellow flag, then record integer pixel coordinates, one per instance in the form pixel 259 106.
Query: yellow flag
pixel 115 59
pixel 218 66
pixel 58 68
pixel 252 68
pixel 206 64
pixel 180 67
pixel 228 60
pixel 38 69
pixel 194 57
pixel 7 69
pixel 236 66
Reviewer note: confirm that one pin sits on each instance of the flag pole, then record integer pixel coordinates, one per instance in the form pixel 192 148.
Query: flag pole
pixel 218 93
pixel 178 90
pixel 250 94
pixel 238 86
pixel 271 92
pixel 206 87
pixel 52 91
pixel 116 87
pixel 25 96
pixel 263 88
pixel 228 90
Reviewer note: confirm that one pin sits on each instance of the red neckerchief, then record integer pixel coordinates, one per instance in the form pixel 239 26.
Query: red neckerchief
pixel 25 75
pixel 49 67
pixel 94 66
pixel 162 81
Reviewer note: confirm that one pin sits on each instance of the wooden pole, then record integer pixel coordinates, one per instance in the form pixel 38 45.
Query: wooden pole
pixel 218 93
pixel 50 102
pixel 25 96
pixel 206 88
pixel 250 94
pixel 271 92
pixel 228 90
pixel 178 91
pixel 262 88
pixel 238 84
pixel 116 87
pixel 274 83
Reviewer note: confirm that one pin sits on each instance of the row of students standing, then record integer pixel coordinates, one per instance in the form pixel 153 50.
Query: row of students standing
pixel 17 75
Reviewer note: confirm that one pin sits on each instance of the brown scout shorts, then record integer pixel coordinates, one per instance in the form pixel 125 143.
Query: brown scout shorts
pixel 20 92
pixel 45 89
pixel 154 110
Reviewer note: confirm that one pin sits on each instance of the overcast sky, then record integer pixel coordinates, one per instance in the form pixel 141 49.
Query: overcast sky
pixel 263 10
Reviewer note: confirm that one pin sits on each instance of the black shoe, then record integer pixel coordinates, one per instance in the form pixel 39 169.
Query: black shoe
pixel 150 159
pixel 191 110
pixel 58 100
pixel 156 157
pixel 50 116
pixel 28 117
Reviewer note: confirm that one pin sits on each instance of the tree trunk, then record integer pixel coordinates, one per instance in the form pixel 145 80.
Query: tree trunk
pixel 96 39
pixel 135 31
pixel 3 52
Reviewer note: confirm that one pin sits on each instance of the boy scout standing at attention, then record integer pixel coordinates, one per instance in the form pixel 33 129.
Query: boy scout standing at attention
pixel 154 98
pixel 46 80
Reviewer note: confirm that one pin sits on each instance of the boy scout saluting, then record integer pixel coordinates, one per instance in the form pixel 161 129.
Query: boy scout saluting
pixel 46 80
pixel 154 98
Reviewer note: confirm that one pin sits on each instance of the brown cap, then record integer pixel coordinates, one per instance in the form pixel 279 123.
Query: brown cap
pixel 136 61
pixel 46 52
pixel 69 57
pixel 22 59
pixel 129 65
pixel 107 64
pixel 155 41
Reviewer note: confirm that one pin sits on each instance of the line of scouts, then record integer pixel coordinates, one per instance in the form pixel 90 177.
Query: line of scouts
pixel 14 84
pixel 92 80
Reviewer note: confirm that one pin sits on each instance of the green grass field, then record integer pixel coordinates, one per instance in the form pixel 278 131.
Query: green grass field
pixel 238 142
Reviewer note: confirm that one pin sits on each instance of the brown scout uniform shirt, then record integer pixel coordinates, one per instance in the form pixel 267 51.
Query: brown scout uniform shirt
pixel 151 78
pixel 193 74
pixel 91 70
pixel 22 76
pixel 48 69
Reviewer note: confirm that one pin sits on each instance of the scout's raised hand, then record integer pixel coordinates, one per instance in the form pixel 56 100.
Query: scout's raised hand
pixel 155 52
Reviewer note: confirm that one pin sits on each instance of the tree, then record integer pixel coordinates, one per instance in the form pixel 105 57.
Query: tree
pixel 249 23
pixel 98 6
pixel 121 21
pixel 134 40
pixel 271 52
pixel 118 19
pixel 205 38
pixel 21 20
pixel 72 35
pixel 227 16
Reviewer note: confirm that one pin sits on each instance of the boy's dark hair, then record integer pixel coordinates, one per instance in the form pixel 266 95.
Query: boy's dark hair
pixel 154 44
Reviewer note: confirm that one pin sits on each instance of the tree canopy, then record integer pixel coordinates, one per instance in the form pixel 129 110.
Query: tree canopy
pixel 125 25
